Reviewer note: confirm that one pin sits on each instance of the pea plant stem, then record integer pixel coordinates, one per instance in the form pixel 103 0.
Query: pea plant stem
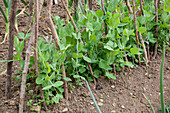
pixel 56 38
pixel 10 50
pixel 35 52
pixel 136 29
pixel 91 71
pixel 26 65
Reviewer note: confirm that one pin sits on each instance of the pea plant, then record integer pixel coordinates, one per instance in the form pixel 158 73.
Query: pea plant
pixel 91 44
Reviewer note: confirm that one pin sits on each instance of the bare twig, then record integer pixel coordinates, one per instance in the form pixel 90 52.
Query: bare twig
pixel 148 54
pixel 56 38
pixel 105 25
pixel 35 52
pixel 156 28
pixel 90 4
pixel 11 45
pixel 129 7
pixel 144 48
pixel 28 26
pixel 80 39
pixel 136 29
pixel 26 66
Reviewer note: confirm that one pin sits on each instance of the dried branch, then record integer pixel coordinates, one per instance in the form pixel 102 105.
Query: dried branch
pixel 56 38
pixel 91 71
pixel 11 45
pixel 105 25
pixel 147 49
pixel 129 7
pixel 144 48
pixel 136 29
pixel 35 52
pixel 26 66
pixel 156 28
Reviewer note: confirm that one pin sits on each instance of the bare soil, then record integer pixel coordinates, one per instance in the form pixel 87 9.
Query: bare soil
pixel 123 95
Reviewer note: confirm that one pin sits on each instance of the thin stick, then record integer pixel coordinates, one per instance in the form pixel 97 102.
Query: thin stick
pixel 148 54
pixel 11 45
pixel 35 52
pixel 144 48
pixel 136 29
pixel 156 28
pixel 129 7
pixel 91 71
pixel 56 38
pixel 26 66
pixel 105 25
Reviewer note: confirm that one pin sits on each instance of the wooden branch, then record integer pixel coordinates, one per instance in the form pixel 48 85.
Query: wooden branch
pixel 105 25
pixel 35 52
pixel 156 29
pixel 144 48
pixel 26 66
pixel 129 7
pixel 147 49
pixel 56 38
pixel 91 71
pixel 11 45
pixel 136 29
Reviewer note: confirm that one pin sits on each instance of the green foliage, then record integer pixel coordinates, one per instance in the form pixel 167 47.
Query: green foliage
pixel 97 48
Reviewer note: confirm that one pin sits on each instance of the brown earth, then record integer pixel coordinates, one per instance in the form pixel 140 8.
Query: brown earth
pixel 123 95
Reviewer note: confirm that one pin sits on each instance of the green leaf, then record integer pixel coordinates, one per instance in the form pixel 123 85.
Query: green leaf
pixel 39 80
pixel 151 37
pixel 67 79
pixel 166 6
pixel 48 67
pixel 93 39
pixel 4 15
pixel 5 3
pixel 57 98
pixel 128 32
pixel 142 29
pixel 52 76
pixel 21 47
pixel 58 83
pixel 90 26
pixel 47 87
pixel 77 76
pixel 104 65
pixel 21 35
pixel 6 61
pixel 108 48
pixel 82 69
pixel 168 48
pixel 96 73
pixel 80 46
pixel 110 76
pixel 87 59
pixel 129 64
pixel 97 26
pixel 99 13
pixel 134 50
pixel 27 35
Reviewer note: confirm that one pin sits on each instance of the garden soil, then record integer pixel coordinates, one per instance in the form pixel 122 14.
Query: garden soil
pixel 123 95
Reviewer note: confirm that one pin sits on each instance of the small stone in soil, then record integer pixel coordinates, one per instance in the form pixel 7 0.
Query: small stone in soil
pixel 98 87
pixel 113 111
pixel 123 106
pixel 65 110
pixel 100 104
